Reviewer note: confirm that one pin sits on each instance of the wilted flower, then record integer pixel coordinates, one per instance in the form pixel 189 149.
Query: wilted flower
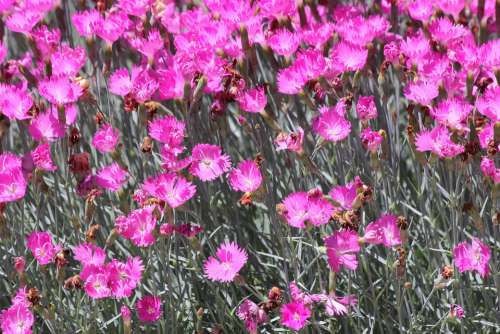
pixel 456 311
pixel 342 247
pixel 371 139
pixel 252 315
pixel 229 260
pixel 149 308
pixel 473 256
pixel 290 141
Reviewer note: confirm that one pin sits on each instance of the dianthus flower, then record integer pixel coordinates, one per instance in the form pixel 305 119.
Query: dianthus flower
pixel 341 250
pixel 111 177
pixel 138 226
pixel 40 244
pixel 252 315
pixel 472 257
pixel 438 141
pixel 15 103
pixel 253 100
pixel 371 139
pixel 171 188
pixel 331 125
pixel 149 308
pixel 229 260
pixel 12 180
pixel 365 108
pixel 284 42
pixel 383 231
pixel 59 90
pixel 302 207
pixel 208 162
pixel 294 315
pixel 452 113
pixel 246 177
pixel 106 138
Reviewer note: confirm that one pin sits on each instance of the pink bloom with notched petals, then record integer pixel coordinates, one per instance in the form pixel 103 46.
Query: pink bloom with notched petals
pixel 486 135
pixel 208 162
pixel 253 100
pixel 40 244
pixel 371 139
pixel 47 41
pixel 290 141
pixel 13 183
pixel 346 195
pixel 291 80
pixel 488 168
pixel 168 130
pixel 120 82
pixel 68 61
pixel 294 315
pixel 335 305
pixel 422 92
pixel 438 141
pixel 148 46
pixel 46 127
pixel 144 86
pixel 392 52
pixel 252 315
pixel 124 277
pixel 302 207
pixel 452 113
pixel 17 319
pixel 365 108
pixel 489 103
pixel 60 90
pixel 149 308
pixel 111 28
pixel 472 257
pixel 229 260
pixel 331 126
pixel 445 31
pixel 96 285
pixel 341 248
pixel 347 57
pixel 23 21
pixel 106 138
pixel 420 10
pixel 89 254
pixel 246 177
pixel 135 7
pixel 171 188
pixel 41 158
pixel 456 311
pixel 284 42
pixel 86 22
pixel 111 177
pixel 383 231
pixel 138 226
pixel 15 103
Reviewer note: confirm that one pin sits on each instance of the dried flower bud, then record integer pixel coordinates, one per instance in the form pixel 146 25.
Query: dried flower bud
pixel 402 223
pixel 19 264
pixel 91 233
pixel 447 272
pixel 130 104
pixel 79 163
pixel 147 144
pixel 99 118
pixel 74 282
pixel 246 199
pixel 61 258
pixel 74 136
pixel 33 296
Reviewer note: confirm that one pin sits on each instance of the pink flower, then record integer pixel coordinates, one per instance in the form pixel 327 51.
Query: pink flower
pixel 19 264
pixel 46 127
pixel 290 141
pixel 59 90
pixel 284 42
pixel 253 100
pixel 489 103
pixel 252 315
pixel 341 250
pixel 148 46
pixel 366 108
pixel 422 92
pixel 168 130
pixel 392 52
pixel 97 285
pixel 12 180
pixel 331 125
pixel 335 306
pixel 291 80
pixel 209 162
pixel 345 196
pixel 15 103
pixel 138 226
pixel 488 168
pixel 229 260
pixel 111 177
pixel 40 244
pixel 247 177
pixel 383 231
pixel 456 311
pixel 112 27
pixel 486 135
pixel 420 10
pixel 445 31
pixel 68 61
pixel 452 113
pixel 17 319
pixel 302 207
pixel 149 308
pixel 348 57
pixel 86 22
pixel 135 7
pixel 473 256
pixel 294 315
pixel 89 254
pixel 106 138
pixel 120 82
pixel 171 188
pixel 47 41
pixel 371 139
pixel 23 21
pixel 40 158
pixel 124 277
pixel 438 141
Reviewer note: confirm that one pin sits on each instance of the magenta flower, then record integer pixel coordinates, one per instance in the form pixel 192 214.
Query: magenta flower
pixel 371 139
pixel 17 319
pixel 348 57
pixel 302 207
pixel 365 108
pixel 422 92
pixel 46 127
pixel 290 141
pixel 346 195
pixel 97 284
pixel 112 27
pixel 208 162
pixel 111 177
pixel 247 177
pixel 489 103
pixel 472 257
pixel 168 130
pixel 23 21
pixel 486 135
pixel 86 22
pixel 456 311
pixel 148 46
pixel 120 82
pixel 341 250
pixel 284 42
pixel 12 180
pixel 452 113
pixel 229 260
pixel 106 138
pixel 171 188
pixel 149 308
pixel 331 125
pixel 138 226
pixel 39 158
pixel 420 10
pixel 124 277
pixel 59 90
pixel 383 231
pixel 488 168
pixel 135 7
pixel 89 255
pixel 47 41
pixel 252 315
pixel 253 100
pixel 438 141
pixel 40 244
pixel 445 31
pixel 291 80
pixel 69 61
pixel 15 103
pixel 294 315
pixel 336 306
